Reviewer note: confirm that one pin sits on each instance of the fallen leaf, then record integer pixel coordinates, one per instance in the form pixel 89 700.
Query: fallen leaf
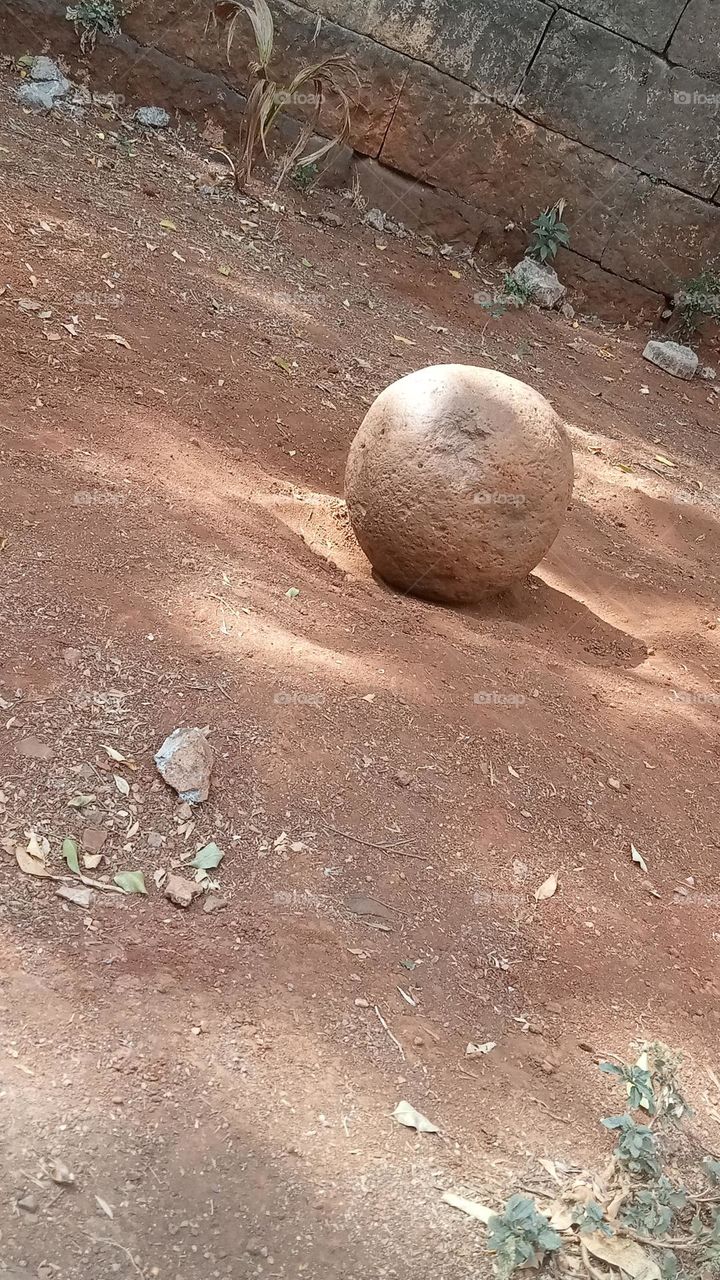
pixel 117 756
pixel 513 772
pixel 547 889
pixel 474 1050
pixel 412 1119
pixel 167 224
pixel 224 271
pixel 550 1167
pixel 628 1256
pixel 117 338
pixel 208 857
pixel 30 865
pixel 122 784
pixel 660 457
pixel 471 1207
pixel 37 848
pixel 80 802
pixel 282 364
pixel 104 1206
pixel 75 893
pixel 407 342
pixel 131 881
pixel 70 854
pixel 60 1173
pixel 637 857
pixel 292 593
pixel 456 275
pixel 360 905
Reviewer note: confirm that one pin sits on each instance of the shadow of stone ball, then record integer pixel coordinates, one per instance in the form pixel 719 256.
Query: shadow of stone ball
pixel 457 482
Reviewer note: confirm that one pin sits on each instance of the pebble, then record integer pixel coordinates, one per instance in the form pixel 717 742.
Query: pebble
pixel 360 1003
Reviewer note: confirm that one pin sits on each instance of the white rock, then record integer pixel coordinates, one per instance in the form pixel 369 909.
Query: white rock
pixel 540 283
pixel 45 69
pixel 41 95
pixel 708 373
pixel 153 117
pixel 674 358
pixel 185 760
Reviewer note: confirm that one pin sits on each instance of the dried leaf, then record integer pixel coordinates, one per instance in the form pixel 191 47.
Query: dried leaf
pixel 80 802
pixel 660 457
pixel 637 857
pixel 117 338
pixel 406 1115
pixel 131 881
pixel 122 784
pixel 407 342
pixel 282 364
pixel 117 756
pixel 547 889
pixel 104 1206
pixel 208 857
pixel 70 854
pixel 167 224
pixel 471 1207
pixel 75 893
pixel 628 1256
pixel 474 1050
pixel 30 865
pixel 60 1173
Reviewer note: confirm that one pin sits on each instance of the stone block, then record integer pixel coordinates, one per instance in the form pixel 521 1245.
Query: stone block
pixel 486 45
pixel 696 42
pixel 650 22
pixel 665 237
pixel 418 206
pixel 599 292
pixel 447 136
pixel 622 100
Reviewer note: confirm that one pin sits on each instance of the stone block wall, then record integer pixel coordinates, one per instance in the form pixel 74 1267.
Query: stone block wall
pixel 486 111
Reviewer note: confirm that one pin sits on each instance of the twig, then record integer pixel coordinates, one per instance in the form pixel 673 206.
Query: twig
pixel 116 1244
pixel 384 848
pixel 384 1024
pixel 688 1245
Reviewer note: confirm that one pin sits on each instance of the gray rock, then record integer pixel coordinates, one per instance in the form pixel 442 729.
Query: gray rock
pixel 153 117
pixel 540 282
pixel 674 358
pixel 567 311
pixel 181 892
pixel 708 373
pixel 375 218
pixel 45 69
pixel 41 95
pixel 185 760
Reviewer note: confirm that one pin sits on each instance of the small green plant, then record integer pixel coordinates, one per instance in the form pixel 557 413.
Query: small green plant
pixel 310 87
pixel 514 294
pixel 520 1235
pixel 632 1217
pixel 304 176
pixel 698 297
pixel 549 234
pixel 92 17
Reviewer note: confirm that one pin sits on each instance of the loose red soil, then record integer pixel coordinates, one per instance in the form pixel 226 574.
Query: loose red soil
pixel 212 1077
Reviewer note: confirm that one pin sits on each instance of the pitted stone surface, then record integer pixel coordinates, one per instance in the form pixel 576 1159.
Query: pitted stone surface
pixel 457 482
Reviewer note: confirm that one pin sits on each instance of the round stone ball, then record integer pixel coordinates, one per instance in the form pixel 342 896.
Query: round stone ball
pixel 457 482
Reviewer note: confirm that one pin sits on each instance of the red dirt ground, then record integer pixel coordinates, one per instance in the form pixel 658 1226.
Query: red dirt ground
pixel 212 1077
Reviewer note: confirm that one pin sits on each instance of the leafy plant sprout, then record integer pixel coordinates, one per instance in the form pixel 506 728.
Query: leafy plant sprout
pixel 92 17
pixel 549 234
pixel 311 85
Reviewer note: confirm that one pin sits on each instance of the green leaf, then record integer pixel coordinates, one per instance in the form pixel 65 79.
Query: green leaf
pixel 70 854
pixel 208 857
pixel 80 802
pixel 131 881
pixel 292 593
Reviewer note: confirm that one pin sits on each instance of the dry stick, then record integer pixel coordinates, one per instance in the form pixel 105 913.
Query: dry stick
pixel 384 1024
pixel 384 848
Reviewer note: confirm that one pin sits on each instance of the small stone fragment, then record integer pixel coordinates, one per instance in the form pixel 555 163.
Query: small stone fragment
pixel 34 749
pixel 29 1203
pixel 329 218
pixel 540 282
pixel 185 760
pixel 76 893
pixel 213 903
pixel 708 374
pixel 375 218
pixel 567 311
pixel 673 357
pixel 45 69
pixel 153 117
pixel 93 839
pixel 180 891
